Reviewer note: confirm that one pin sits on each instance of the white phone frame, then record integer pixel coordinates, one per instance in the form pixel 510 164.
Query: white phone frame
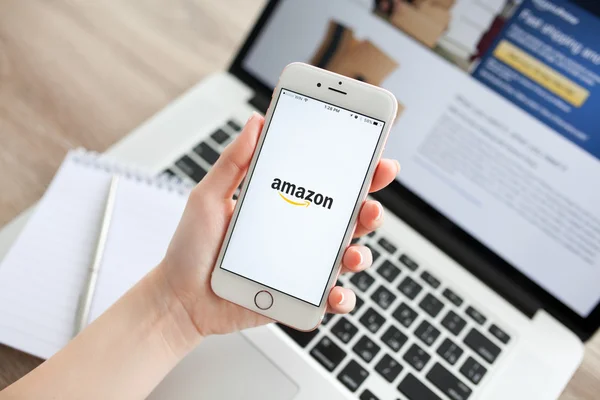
pixel 359 97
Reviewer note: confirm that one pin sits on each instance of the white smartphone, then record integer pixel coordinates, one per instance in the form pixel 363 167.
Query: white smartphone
pixel 322 139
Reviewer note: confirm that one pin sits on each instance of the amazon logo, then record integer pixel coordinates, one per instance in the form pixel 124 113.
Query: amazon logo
pixel 299 196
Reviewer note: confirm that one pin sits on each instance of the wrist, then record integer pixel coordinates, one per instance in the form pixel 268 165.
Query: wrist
pixel 176 325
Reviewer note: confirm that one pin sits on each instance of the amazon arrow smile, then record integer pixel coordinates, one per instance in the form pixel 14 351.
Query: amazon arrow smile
pixel 299 196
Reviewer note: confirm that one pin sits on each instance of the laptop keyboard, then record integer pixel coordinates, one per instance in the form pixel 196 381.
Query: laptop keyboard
pixel 194 165
pixel 409 329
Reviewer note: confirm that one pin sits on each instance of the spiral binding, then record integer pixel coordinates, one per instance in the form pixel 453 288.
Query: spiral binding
pixel 96 160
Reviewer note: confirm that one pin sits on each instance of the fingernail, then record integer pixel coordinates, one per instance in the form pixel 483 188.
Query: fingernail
pixel 254 114
pixel 360 257
pixel 341 298
pixel 379 212
pixel 397 167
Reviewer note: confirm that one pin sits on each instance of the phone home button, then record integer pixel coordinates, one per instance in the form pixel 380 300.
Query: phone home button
pixel 263 300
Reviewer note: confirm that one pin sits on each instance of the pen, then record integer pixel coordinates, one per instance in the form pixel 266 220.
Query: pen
pixel 85 299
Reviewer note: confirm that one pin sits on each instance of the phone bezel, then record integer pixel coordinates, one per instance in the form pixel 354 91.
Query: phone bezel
pixel 357 96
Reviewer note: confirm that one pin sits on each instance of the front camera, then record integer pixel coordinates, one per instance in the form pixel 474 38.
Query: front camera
pixel 340 82
pixel 318 85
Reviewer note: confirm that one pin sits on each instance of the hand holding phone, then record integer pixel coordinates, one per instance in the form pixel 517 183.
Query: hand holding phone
pixel 190 259
pixel 311 171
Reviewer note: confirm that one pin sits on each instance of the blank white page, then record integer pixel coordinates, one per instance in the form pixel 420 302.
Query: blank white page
pixel 44 272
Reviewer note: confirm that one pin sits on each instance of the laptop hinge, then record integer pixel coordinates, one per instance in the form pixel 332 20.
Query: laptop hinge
pixel 481 268
pixel 260 102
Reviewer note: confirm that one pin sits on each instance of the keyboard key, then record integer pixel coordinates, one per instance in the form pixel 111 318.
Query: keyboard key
pixel 448 384
pixel 366 349
pixel 359 303
pixel 207 153
pixel 367 395
pixel 417 357
pixel 388 271
pixel 372 320
pixel 431 305
pixel 344 330
pixel 410 288
pixel 190 168
pixel 220 136
pixel 393 338
pixel 234 125
pixel 409 262
pixel 427 333
pixel 374 252
pixel 450 351
pixel 476 315
pixel 383 297
pixel 328 354
pixel 388 368
pixel 327 318
pixel 405 315
pixel 371 234
pixel 302 338
pixel 499 334
pixel 453 297
pixel 482 346
pixel 355 240
pixel 414 389
pixel 362 281
pixel 169 172
pixel 430 279
pixel 473 371
pixel 453 322
pixel 387 246
pixel 353 375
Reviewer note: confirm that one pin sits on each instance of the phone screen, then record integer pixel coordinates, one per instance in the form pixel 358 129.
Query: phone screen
pixel 301 194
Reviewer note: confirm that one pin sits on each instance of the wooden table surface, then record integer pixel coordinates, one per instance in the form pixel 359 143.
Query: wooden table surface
pixel 85 73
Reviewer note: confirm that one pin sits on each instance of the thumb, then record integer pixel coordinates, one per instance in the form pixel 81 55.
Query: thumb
pixel 229 170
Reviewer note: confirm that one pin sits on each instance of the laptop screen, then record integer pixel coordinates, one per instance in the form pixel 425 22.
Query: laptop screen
pixel 499 122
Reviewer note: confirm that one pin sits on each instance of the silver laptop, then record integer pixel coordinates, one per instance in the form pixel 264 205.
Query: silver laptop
pixel 486 277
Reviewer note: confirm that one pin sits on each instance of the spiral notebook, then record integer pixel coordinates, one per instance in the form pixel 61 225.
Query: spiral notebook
pixel 45 271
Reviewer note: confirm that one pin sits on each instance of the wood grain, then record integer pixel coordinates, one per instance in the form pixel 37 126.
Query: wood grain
pixel 85 73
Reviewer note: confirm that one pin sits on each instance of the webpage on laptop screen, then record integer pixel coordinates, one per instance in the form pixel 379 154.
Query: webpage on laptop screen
pixel 499 124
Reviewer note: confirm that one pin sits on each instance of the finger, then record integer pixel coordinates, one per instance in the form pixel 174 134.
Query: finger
pixel 369 219
pixel 356 258
pixel 341 300
pixel 386 172
pixel 230 169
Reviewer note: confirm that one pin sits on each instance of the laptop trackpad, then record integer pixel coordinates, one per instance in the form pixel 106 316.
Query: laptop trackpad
pixel 226 367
